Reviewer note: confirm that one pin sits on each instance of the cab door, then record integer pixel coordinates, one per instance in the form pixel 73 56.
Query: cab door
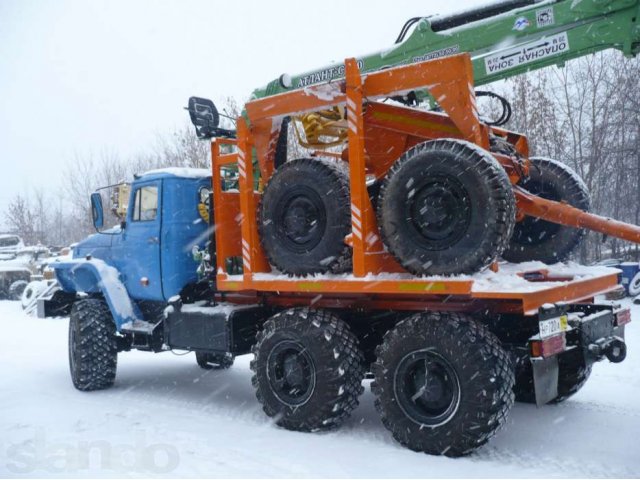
pixel 141 242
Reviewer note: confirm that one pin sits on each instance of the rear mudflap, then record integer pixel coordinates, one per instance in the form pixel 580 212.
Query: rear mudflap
pixel 545 379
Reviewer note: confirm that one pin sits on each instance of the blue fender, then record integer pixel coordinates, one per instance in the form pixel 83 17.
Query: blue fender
pixel 95 276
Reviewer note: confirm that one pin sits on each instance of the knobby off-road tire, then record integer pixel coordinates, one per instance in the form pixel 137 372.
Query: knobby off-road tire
pixel 16 289
pixel 443 383
pixel 634 285
pixel 308 369
pixel 31 292
pixel 535 239
pixel 93 349
pixel 305 214
pixel 214 361
pixel 446 207
pixel 573 373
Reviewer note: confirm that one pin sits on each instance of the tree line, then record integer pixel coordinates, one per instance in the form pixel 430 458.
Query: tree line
pixel 585 114
pixel 60 215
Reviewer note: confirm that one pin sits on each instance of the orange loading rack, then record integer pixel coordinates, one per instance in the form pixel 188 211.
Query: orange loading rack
pixel 378 134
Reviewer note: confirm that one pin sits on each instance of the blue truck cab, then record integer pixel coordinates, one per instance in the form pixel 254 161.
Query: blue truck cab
pixel 147 259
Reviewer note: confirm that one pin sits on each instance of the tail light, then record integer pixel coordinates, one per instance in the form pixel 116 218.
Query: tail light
pixel 623 317
pixel 547 347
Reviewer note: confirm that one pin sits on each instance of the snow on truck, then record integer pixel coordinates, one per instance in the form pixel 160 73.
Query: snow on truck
pixel 424 254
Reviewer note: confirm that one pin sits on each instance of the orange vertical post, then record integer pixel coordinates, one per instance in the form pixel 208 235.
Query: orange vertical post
pixel 217 199
pixel 247 209
pixel 253 258
pixel 362 217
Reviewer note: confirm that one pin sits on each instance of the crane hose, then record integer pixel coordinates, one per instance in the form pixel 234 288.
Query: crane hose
pixel 327 128
pixel 322 129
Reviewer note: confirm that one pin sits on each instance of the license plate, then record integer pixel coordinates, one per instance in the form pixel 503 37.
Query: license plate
pixel 553 326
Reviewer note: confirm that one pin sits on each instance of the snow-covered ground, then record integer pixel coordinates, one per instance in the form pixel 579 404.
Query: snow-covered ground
pixel 167 417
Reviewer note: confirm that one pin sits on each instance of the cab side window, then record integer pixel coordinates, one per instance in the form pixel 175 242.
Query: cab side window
pixel 145 206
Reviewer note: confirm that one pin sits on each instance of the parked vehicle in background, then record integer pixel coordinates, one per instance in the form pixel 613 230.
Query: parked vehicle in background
pixel 44 288
pixel 10 244
pixel 18 265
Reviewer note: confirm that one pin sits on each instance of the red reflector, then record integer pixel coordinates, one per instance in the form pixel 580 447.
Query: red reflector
pixel 623 317
pixel 548 346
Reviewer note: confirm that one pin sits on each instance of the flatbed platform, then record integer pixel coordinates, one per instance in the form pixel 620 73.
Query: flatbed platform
pixel 514 288
pixel 377 280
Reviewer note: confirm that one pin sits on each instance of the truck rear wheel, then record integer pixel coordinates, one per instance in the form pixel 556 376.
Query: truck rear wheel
pixel 214 361
pixel 93 348
pixel 535 239
pixel 443 383
pixel 305 214
pixel 573 373
pixel 308 369
pixel 446 207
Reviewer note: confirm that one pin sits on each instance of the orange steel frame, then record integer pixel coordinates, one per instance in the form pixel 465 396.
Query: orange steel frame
pixel 378 134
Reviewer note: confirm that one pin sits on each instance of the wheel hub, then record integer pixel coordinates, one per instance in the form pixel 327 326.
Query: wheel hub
pixel 427 388
pixel 300 220
pixel 291 373
pixel 440 211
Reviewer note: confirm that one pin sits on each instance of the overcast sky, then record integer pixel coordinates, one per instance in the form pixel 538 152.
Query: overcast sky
pixel 78 77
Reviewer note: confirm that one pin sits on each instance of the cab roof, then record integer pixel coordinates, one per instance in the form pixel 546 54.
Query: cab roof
pixel 176 172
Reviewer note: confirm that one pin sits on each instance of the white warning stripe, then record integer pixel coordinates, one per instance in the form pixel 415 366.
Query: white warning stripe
pixel 352 127
pixel 356 223
pixel 351 104
pixel 241 164
pixel 355 210
pixel 246 254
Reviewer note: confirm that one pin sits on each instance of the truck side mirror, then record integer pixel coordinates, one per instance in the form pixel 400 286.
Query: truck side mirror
pixel 97 211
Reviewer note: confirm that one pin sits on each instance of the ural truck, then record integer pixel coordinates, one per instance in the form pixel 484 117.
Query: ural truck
pixel 421 248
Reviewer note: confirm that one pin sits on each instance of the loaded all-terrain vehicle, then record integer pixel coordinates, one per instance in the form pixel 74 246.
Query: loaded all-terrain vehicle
pixel 423 248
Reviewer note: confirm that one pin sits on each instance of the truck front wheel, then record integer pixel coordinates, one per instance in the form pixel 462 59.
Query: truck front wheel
pixel 93 349
pixel 443 383
pixel 308 369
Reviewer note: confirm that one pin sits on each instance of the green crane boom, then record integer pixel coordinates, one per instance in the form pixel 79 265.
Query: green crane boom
pixel 504 39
